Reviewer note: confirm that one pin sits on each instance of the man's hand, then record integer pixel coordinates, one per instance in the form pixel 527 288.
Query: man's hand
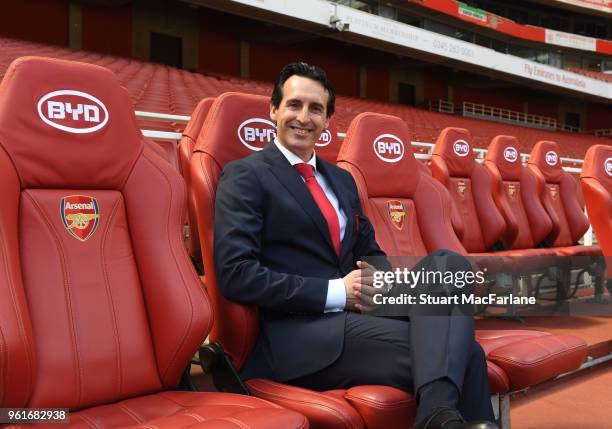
pixel 359 289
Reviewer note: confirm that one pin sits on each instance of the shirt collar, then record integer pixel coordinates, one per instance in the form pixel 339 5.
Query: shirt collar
pixel 293 158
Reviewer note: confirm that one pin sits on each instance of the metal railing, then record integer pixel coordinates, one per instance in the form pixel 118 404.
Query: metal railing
pixel 507 115
pixel 442 106
pixel 602 133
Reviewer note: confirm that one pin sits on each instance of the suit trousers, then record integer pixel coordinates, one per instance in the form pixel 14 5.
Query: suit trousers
pixel 408 352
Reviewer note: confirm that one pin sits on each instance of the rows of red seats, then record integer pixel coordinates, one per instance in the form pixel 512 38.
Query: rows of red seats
pixel 161 89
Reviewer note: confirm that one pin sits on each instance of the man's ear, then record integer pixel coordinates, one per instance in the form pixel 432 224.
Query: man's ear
pixel 327 119
pixel 273 111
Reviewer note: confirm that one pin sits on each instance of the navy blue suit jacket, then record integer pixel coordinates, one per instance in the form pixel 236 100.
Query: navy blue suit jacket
pixel 273 249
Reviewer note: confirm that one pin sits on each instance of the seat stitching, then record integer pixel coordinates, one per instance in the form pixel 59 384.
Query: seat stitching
pixel 185 336
pixel 122 406
pixel 70 313
pixel 20 324
pixel 196 416
pixel 88 420
pixel 111 219
pixel 381 404
pixel 236 422
pixel 323 407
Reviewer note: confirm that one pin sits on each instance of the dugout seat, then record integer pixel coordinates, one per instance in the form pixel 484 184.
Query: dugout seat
pixel 453 164
pixel 560 201
pixel 236 326
pixel 185 149
pixel 515 192
pixel 100 309
pixel 596 181
pixel 375 149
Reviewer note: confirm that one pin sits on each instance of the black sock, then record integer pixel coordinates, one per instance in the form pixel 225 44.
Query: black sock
pixel 436 394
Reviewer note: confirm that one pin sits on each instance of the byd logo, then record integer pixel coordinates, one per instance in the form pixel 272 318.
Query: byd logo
pixel 324 139
pixel 256 133
pixel 72 111
pixel 608 166
pixel 510 154
pixel 389 148
pixel 461 148
pixel 551 158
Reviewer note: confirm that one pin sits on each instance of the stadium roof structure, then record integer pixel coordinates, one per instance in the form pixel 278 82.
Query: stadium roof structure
pixel 358 27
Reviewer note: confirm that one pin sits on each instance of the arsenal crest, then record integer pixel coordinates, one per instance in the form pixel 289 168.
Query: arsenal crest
pixel 80 215
pixel 553 191
pixel 511 189
pixel 461 187
pixel 397 214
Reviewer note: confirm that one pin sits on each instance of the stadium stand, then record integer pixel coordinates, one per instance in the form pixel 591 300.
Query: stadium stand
pixel 87 318
pixel 162 89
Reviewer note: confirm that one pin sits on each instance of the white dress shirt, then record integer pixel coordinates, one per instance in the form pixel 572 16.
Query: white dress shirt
pixel 336 293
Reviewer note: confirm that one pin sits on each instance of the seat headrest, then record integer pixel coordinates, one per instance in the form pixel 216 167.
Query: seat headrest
pixel 193 127
pixel 545 156
pixel 379 147
pixel 236 126
pixel 239 124
pixel 454 145
pixel 67 125
pixel 503 152
pixel 598 164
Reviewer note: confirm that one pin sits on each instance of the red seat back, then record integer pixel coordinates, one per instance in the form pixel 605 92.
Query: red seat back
pixel 453 164
pixel 328 146
pixel 236 126
pixel 98 299
pixel 517 195
pixel 185 149
pixel 410 211
pixel 596 180
pixel 560 197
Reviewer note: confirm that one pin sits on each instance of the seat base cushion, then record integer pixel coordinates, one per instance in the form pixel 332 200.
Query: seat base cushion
pixel 179 410
pixel 531 357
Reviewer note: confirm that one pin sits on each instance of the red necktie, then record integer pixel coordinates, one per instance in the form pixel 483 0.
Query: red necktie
pixel 328 211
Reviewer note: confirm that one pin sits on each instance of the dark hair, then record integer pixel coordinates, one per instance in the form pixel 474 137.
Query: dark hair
pixel 305 70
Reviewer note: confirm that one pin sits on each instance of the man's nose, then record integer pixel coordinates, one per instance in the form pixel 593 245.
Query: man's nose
pixel 303 115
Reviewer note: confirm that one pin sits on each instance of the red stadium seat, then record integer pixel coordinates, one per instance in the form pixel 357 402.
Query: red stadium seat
pixel 516 195
pixel 596 180
pixel 185 149
pixel 240 126
pixel 100 308
pixel 560 201
pixel 453 164
pixel 373 150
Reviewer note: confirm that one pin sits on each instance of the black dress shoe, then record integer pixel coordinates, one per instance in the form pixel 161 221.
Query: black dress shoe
pixel 450 418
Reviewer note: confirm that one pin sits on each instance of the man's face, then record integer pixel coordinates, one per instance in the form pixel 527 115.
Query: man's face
pixel 301 116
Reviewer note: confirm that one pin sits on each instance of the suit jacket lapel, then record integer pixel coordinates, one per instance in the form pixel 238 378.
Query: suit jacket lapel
pixel 291 180
pixel 332 179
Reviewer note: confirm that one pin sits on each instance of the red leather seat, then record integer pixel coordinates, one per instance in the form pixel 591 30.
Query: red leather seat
pixel 100 308
pixel 596 180
pixel 185 148
pixel 224 139
pixel 516 194
pixel 453 164
pixel 560 201
pixel 374 150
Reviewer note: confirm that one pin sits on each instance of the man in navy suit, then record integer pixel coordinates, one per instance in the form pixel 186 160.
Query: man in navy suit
pixel 290 237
